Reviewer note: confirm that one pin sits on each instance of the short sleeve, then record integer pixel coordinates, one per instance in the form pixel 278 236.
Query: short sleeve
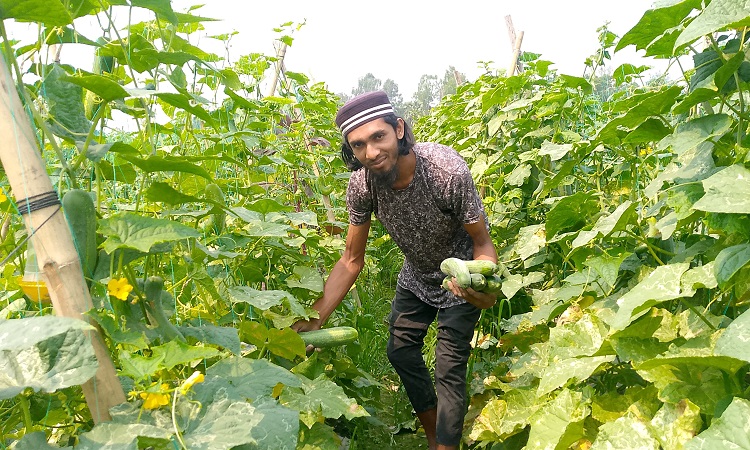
pixel 463 197
pixel 359 199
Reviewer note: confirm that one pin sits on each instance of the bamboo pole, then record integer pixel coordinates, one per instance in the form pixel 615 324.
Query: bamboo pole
pixel 52 240
pixel 516 53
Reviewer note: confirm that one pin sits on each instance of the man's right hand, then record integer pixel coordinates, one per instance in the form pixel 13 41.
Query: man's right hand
pixel 307 325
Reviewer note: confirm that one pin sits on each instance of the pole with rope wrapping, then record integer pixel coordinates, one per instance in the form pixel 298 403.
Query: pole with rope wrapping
pixel 51 238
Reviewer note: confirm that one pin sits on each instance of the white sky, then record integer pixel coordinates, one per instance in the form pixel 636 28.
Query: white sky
pixel 402 40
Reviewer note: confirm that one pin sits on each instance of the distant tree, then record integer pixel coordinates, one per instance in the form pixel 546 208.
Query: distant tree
pixel 426 95
pixel 391 88
pixel 366 84
pixel 451 80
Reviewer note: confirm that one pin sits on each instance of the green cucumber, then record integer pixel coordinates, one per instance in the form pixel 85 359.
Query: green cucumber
pixel 445 283
pixel 481 266
pixel 457 269
pixel 153 288
pixel 80 213
pixel 218 217
pixel 494 284
pixel 329 337
pixel 478 282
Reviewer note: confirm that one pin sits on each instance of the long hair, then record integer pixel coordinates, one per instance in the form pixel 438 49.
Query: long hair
pixel 405 144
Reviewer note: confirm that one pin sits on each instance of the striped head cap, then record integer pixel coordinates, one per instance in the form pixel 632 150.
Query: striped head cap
pixel 362 109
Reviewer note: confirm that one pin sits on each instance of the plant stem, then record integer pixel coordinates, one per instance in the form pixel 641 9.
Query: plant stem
pixel 26 409
pixel 178 435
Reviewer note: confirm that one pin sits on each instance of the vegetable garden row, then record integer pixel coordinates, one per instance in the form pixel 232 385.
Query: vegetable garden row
pixel 622 225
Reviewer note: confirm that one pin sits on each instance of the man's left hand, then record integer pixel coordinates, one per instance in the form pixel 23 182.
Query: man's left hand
pixel 481 300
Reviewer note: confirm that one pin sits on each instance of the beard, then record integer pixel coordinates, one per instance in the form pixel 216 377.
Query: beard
pixel 386 179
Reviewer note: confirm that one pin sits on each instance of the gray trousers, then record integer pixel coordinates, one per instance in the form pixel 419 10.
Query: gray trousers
pixel 409 321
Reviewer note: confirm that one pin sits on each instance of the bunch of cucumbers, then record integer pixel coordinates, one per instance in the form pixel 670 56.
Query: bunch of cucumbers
pixel 478 274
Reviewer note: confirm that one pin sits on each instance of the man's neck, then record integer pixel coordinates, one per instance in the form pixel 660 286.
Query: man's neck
pixel 406 166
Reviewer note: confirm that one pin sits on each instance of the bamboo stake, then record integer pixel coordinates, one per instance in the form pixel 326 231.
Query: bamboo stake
pixel 516 53
pixel 52 240
pixel 280 54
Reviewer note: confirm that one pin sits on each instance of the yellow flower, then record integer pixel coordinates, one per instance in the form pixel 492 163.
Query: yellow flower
pixel 153 400
pixel 195 378
pixel 3 197
pixel 119 288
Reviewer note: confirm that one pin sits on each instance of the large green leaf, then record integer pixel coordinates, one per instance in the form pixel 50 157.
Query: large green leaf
pixel 718 15
pixel 605 225
pixel 307 278
pixel 558 423
pixel 625 432
pixel 607 266
pixel 177 352
pixel 262 300
pixel 727 191
pixel 663 284
pixel 655 23
pixel 730 261
pixel 702 384
pixel 166 164
pixel 128 230
pixel 675 424
pixel 614 404
pixel 120 436
pixel 570 213
pixel 44 353
pixel 162 8
pixel 530 240
pixel 581 338
pixel 261 228
pixel 555 151
pixel 503 417
pixel 229 424
pixel 163 192
pixel 321 398
pixel 731 430
pixel 253 378
pixel 65 103
pixel 516 282
pixel 49 12
pixel 37 441
pixel 226 337
pixel 638 108
pixel 694 164
pixel 139 367
pixel 734 341
pixel 106 88
pixel 285 343
pixel 689 134
pixel 574 370
pixel 320 437
pixel 184 102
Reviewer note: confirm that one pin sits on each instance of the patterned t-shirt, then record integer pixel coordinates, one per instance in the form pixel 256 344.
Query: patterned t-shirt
pixel 425 219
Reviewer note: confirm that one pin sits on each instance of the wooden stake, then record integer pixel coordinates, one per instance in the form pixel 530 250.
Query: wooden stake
pixel 52 240
pixel 516 53
pixel 515 42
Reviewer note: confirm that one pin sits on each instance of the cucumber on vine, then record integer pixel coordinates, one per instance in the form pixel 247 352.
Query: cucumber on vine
pixel 218 217
pixel 153 288
pixel 329 337
pixel 80 213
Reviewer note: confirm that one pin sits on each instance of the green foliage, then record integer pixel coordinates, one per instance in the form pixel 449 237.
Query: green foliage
pixel 619 211
pixel 619 220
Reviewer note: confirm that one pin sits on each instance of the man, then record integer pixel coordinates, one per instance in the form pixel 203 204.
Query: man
pixel 424 196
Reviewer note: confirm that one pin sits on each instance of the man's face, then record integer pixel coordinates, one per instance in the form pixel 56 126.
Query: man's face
pixel 375 145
